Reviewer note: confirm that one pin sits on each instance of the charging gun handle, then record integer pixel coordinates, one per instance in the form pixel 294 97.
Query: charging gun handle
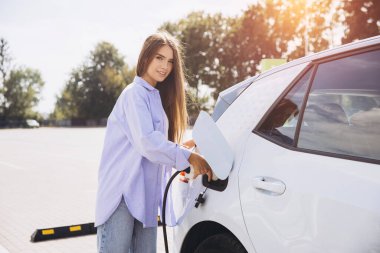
pixel 187 170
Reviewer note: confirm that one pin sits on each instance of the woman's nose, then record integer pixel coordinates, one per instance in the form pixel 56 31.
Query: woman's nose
pixel 165 65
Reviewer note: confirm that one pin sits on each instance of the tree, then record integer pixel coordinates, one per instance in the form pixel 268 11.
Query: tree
pixel 280 27
pixel 316 27
pixel 21 91
pixel 93 88
pixel 20 88
pixel 222 51
pixel 361 19
pixel 202 36
pixel 252 41
pixel 5 59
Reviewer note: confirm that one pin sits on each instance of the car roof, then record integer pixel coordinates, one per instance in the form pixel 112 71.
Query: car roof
pixel 326 53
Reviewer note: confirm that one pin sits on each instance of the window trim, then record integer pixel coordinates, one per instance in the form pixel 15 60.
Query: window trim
pixel 303 106
pixel 308 67
pixel 347 54
pixel 313 66
pixel 318 152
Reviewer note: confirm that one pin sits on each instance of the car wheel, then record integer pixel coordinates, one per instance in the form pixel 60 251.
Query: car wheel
pixel 221 243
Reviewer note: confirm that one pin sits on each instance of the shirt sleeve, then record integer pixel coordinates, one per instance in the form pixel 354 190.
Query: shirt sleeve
pixel 150 143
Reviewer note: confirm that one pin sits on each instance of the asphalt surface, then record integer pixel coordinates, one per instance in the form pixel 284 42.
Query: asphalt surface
pixel 48 178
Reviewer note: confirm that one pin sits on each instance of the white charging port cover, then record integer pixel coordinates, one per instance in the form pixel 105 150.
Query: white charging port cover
pixel 212 145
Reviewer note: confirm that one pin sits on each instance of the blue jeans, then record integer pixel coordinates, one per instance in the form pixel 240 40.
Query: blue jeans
pixel 122 233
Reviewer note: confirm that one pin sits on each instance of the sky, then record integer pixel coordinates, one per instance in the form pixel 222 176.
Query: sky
pixel 55 36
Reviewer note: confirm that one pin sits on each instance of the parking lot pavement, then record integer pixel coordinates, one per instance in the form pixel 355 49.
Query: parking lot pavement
pixel 3 250
pixel 48 178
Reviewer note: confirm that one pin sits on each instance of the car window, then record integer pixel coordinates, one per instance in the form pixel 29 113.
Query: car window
pixel 342 114
pixel 280 125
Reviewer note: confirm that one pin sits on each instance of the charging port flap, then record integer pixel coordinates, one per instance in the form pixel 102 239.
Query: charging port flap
pixel 213 146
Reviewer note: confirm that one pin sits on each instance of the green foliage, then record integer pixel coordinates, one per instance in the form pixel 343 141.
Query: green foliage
pixel 221 51
pixel 5 60
pixel 198 100
pixel 280 28
pixel 361 19
pixel 20 88
pixel 93 88
pixel 202 36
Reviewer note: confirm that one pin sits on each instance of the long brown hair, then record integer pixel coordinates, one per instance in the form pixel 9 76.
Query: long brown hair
pixel 172 89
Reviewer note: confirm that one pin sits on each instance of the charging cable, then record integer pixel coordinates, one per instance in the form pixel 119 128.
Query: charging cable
pixel 164 206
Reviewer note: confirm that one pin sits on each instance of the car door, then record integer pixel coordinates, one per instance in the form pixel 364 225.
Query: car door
pixel 310 177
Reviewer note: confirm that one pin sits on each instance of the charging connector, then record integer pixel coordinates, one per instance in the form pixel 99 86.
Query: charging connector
pixel 200 199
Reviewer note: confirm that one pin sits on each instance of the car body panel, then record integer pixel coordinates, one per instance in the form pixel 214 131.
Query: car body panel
pixel 228 214
pixel 326 202
pixel 285 199
pixel 228 96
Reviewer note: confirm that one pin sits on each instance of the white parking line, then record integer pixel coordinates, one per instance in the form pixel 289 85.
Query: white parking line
pixel 11 166
pixel 3 250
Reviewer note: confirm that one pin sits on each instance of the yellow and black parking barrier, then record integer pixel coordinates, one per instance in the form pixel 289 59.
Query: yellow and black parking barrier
pixel 67 231
pixel 63 232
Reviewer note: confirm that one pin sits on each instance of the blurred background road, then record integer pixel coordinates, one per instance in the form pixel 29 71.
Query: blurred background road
pixel 48 178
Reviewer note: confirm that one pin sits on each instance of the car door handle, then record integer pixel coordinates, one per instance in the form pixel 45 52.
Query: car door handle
pixel 268 184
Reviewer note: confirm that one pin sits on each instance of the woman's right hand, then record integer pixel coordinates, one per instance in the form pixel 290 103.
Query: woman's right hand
pixel 200 165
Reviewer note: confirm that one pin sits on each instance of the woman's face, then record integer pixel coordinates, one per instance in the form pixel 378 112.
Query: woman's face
pixel 160 67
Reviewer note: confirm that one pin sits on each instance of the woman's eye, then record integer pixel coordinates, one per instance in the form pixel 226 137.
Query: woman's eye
pixel 171 62
pixel 160 58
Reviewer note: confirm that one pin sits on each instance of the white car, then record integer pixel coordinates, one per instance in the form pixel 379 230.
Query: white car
pixel 32 123
pixel 305 138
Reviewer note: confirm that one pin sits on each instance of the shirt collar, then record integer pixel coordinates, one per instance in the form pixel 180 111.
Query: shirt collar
pixel 144 83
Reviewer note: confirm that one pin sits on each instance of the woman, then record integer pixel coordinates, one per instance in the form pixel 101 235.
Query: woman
pixel 140 149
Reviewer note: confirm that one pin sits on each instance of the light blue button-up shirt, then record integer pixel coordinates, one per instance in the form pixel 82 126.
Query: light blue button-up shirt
pixel 137 158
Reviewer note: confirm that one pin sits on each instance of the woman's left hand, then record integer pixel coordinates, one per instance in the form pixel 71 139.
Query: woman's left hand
pixel 200 165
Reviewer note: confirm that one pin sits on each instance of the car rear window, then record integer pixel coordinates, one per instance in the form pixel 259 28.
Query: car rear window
pixel 342 114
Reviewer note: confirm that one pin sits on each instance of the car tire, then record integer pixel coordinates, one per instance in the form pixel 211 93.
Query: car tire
pixel 221 243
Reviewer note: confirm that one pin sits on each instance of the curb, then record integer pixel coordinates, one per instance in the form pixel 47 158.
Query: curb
pixel 63 232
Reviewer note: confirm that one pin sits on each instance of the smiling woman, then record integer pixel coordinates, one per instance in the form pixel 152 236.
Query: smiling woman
pixel 160 67
pixel 140 149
